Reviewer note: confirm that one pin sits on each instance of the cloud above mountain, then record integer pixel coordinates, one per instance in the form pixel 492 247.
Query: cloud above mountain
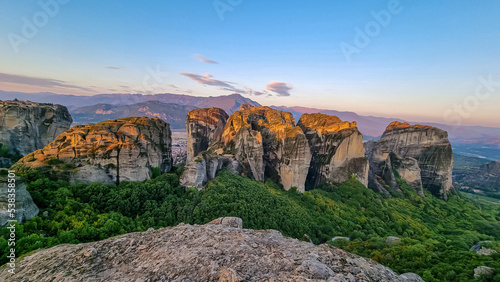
pixel 204 59
pixel 280 88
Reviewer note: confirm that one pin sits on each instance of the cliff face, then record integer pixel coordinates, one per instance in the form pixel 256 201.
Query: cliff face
pixel 265 143
pixel 218 251
pixel 204 127
pixel 337 150
pixel 111 151
pixel 285 153
pixel 25 207
pixel 414 148
pixel 28 126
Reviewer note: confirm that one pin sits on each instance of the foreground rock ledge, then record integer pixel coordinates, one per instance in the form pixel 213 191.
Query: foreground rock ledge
pixel 211 252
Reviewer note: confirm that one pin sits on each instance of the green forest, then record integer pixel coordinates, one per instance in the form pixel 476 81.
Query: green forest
pixel 435 235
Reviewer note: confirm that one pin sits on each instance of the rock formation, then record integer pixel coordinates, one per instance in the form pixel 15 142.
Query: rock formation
pixel 337 150
pixel 264 143
pixel 204 127
pixel 25 208
pixel 27 126
pixel 125 149
pixel 219 251
pixel 421 155
pixel 259 142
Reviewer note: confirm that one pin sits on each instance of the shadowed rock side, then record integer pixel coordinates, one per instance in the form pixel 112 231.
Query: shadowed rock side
pixel 125 149
pixel 27 126
pixel 204 127
pixel 25 207
pixel 422 155
pixel 337 150
pixel 219 251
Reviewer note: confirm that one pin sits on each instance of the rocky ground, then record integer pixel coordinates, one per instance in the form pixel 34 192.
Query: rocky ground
pixel 218 251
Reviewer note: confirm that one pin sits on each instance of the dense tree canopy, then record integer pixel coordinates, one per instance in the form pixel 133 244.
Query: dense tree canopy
pixel 436 235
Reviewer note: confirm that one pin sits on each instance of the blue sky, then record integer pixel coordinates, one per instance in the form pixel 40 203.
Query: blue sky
pixel 424 63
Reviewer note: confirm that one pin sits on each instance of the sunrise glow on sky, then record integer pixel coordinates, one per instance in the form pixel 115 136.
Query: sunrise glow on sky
pixel 418 60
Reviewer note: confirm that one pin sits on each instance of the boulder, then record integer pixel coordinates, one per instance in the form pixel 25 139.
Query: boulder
pixel 392 240
pixel 484 272
pixel 212 252
pixel 28 126
pixel 125 149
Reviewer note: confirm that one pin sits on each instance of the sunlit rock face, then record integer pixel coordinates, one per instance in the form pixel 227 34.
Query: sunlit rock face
pixel 204 127
pixel 125 149
pixel 264 143
pixel 337 150
pixel 259 142
pixel 286 155
pixel 27 126
pixel 408 149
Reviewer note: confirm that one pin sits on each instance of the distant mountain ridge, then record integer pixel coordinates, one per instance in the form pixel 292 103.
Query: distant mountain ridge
pixel 174 114
pixel 486 143
pixel 229 103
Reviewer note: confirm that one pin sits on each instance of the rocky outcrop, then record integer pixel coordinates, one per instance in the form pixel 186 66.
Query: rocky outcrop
pixel 27 126
pixel 204 168
pixel 204 127
pixel 25 208
pixel 125 149
pixel 337 150
pixel 484 273
pixel 421 155
pixel 264 143
pixel 211 252
pixel 392 240
pixel 258 142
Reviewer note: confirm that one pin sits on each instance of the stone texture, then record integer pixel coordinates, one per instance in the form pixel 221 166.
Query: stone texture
pixel 27 126
pixel 258 142
pixel 111 151
pixel 204 127
pixel 212 252
pixel 204 168
pixel 412 145
pixel 25 207
pixel 337 150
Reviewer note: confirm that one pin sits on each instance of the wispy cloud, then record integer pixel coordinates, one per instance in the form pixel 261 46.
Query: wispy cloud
pixel 207 79
pixel 114 68
pixel 204 59
pixel 250 91
pixel 38 81
pixel 280 88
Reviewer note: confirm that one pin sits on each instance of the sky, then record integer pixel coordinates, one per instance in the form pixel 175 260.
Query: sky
pixel 428 61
